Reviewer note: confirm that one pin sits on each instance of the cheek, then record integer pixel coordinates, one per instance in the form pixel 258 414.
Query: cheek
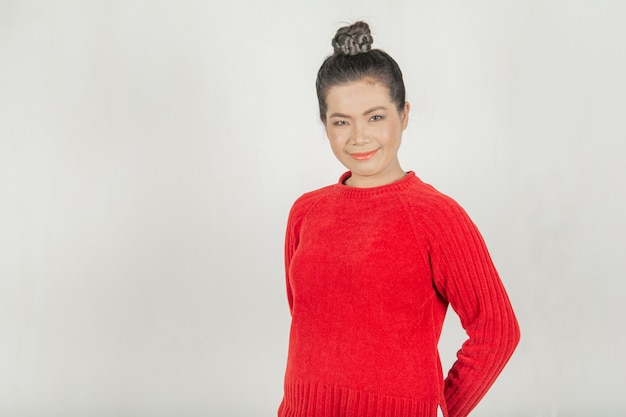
pixel 336 139
pixel 391 134
pixel 336 145
pixel 384 133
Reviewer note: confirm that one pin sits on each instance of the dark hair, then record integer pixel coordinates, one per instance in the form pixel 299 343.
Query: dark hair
pixel 353 60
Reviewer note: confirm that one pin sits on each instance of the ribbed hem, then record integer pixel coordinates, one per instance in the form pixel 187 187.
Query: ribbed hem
pixel 321 400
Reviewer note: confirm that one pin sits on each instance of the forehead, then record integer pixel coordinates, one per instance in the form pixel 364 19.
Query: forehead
pixel 357 96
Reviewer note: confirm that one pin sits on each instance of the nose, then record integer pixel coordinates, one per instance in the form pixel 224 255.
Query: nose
pixel 359 135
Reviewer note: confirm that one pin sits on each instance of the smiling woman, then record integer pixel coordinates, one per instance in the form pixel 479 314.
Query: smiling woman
pixel 373 262
pixel 365 128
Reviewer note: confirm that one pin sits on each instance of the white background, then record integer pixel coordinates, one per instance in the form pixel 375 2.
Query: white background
pixel 150 152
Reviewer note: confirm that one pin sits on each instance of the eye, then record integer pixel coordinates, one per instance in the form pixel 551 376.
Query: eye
pixel 376 117
pixel 340 123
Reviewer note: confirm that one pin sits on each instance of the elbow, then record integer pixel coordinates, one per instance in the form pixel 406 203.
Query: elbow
pixel 517 333
pixel 511 335
pixel 506 336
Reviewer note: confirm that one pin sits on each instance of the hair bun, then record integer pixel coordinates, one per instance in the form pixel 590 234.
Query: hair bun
pixel 352 40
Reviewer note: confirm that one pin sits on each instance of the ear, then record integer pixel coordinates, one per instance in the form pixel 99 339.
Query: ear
pixel 405 115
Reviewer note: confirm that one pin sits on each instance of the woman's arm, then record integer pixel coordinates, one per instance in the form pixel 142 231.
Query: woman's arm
pixel 465 275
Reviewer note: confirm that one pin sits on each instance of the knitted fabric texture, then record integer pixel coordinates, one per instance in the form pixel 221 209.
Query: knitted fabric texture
pixel 370 274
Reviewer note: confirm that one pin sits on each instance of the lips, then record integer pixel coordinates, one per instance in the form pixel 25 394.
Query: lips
pixel 363 156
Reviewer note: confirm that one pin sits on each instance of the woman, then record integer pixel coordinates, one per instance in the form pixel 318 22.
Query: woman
pixel 373 261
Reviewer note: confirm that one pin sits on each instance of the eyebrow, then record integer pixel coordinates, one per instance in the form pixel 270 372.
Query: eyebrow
pixel 345 116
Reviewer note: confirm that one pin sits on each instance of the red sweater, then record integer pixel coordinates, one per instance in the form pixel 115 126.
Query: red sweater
pixel 370 274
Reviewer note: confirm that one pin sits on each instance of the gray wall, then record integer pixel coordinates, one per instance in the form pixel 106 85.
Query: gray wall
pixel 150 151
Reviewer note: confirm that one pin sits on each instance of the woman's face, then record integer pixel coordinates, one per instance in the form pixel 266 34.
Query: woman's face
pixel 365 128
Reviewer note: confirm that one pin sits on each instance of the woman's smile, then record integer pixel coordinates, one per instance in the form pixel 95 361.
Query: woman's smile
pixel 363 156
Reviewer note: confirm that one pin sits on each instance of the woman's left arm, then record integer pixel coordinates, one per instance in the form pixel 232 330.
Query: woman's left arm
pixel 465 275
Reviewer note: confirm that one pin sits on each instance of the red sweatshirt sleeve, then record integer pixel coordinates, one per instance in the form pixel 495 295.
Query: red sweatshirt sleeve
pixel 465 275
pixel 291 243
pixel 292 236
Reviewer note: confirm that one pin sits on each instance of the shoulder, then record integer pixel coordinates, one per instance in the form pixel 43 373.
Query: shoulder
pixel 428 200
pixel 436 214
pixel 306 202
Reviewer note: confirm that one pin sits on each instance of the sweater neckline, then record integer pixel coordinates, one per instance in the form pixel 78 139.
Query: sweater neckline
pixel 355 192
